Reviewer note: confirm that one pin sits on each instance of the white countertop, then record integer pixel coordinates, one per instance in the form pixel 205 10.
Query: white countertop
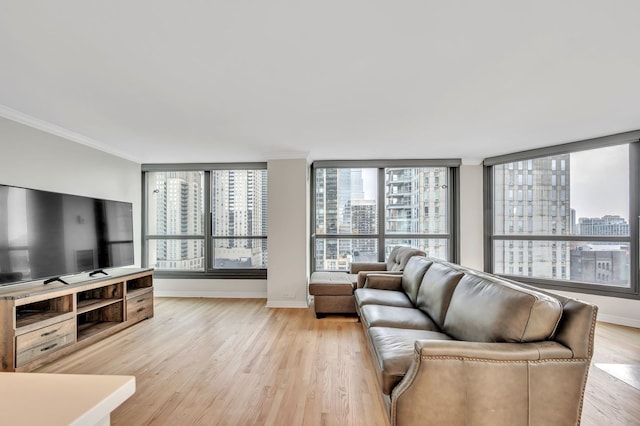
pixel 61 399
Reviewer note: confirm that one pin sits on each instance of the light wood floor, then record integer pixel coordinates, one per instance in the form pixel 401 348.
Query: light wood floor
pixel 235 362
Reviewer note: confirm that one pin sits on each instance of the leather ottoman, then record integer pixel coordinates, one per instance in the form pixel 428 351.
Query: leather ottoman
pixel 332 293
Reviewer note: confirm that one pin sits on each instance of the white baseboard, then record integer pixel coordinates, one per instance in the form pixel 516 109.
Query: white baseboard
pixel 287 304
pixel 210 294
pixel 614 319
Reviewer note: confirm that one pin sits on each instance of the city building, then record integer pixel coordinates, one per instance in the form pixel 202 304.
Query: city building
pixel 532 198
pixel 610 225
pixel 178 211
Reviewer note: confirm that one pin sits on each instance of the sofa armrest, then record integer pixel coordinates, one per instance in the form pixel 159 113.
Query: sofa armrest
pixel 493 351
pixel 492 383
pixel 361 278
pixel 386 281
pixel 356 267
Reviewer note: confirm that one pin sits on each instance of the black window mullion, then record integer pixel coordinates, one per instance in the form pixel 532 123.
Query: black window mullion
pixel 634 214
pixel 381 214
pixel 208 219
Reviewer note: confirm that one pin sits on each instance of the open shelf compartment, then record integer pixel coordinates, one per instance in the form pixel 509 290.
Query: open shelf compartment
pixel 96 320
pixel 42 312
pixel 98 297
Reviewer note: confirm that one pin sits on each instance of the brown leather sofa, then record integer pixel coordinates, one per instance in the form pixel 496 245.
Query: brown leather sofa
pixel 333 291
pixel 455 346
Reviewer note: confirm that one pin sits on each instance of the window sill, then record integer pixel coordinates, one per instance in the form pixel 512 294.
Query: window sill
pixel 226 274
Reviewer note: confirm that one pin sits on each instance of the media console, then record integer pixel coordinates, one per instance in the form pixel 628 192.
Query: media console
pixel 41 323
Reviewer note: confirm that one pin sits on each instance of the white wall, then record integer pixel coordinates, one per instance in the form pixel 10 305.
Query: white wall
pixel 288 234
pixel 35 159
pixel 611 309
pixel 239 289
pixel 471 221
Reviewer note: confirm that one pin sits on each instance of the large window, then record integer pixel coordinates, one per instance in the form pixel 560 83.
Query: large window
pixel 567 216
pixel 361 210
pixel 206 220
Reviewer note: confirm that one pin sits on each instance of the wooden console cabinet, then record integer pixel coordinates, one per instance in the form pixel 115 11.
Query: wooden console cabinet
pixel 39 323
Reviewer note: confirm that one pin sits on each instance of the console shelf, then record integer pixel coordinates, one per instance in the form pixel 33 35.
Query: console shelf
pixel 40 323
pixel 92 304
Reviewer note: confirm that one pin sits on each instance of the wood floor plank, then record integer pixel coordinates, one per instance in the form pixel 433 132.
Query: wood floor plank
pixel 236 362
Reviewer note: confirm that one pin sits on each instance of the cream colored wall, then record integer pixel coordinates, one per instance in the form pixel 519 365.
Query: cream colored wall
pixel 35 159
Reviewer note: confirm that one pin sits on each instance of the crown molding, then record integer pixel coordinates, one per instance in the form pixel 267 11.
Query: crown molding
pixel 53 129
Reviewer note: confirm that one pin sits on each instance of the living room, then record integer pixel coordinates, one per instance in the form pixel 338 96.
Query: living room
pixel 75 108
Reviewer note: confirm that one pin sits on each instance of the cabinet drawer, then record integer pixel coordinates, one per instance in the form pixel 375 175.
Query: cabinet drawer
pixel 43 341
pixel 45 334
pixel 140 306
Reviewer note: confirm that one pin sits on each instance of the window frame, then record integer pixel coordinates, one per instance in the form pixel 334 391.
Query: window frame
pixel 209 271
pixel 453 215
pixel 630 138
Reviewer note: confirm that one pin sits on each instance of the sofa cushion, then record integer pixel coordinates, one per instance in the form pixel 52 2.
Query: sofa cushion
pixel 331 283
pixel 485 308
pixel 413 274
pixel 393 316
pixel 399 257
pixel 374 296
pixel 436 290
pixel 394 349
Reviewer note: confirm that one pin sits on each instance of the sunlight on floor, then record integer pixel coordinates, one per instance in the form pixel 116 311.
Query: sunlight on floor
pixel 630 374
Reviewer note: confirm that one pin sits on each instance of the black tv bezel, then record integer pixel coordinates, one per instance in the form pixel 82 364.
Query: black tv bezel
pixel 57 277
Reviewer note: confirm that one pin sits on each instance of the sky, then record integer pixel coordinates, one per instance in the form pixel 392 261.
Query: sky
pixel 600 182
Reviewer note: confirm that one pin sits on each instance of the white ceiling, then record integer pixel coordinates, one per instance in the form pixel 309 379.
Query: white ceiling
pixel 243 80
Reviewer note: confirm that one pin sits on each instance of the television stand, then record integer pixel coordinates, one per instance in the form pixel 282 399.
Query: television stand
pixel 41 323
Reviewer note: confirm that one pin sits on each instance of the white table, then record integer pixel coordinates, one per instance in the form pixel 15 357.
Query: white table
pixel 61 399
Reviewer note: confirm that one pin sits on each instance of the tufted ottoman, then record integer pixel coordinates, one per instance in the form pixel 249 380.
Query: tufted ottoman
pixel 332 293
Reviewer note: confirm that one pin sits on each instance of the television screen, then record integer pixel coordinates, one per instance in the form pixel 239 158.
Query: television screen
pixel 47 234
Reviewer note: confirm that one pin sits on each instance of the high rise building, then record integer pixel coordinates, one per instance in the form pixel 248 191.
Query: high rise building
pixel 178 212
pixel 416 203
pixel 533 198
pixel 237 199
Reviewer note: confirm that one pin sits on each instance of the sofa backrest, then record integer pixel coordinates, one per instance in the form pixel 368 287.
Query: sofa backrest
pixel 578 320
pixel 485 308
pixel 399 257
pixel 436 289
pixel 412 276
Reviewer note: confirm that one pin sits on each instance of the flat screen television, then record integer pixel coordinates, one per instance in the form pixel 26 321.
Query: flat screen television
pixel 48 235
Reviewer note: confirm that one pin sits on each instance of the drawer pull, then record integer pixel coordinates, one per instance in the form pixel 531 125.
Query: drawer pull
pixel 140 309
pixel 139 300
pixel 48 333
pixel 46 348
